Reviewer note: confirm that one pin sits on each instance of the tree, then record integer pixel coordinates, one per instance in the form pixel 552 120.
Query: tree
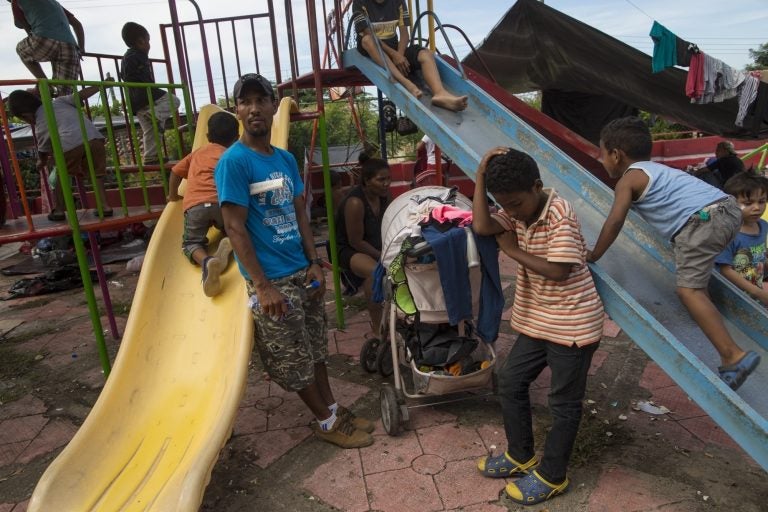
pixel 759 56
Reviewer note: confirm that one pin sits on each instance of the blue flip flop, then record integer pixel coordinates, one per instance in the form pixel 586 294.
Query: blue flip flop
pixel 735 374
pixel 503 466
pixel 533 489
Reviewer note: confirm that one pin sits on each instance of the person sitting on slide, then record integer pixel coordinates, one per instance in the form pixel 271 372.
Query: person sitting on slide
pixel 388 18
pixel 358 221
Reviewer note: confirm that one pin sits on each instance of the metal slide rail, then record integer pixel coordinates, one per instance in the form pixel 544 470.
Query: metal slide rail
pixel 635 279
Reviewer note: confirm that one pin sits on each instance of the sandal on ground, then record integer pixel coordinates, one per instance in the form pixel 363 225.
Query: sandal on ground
pixel 107 213
pixel 533 489
pixel 735 374
pixel 55 216
pixel 503 466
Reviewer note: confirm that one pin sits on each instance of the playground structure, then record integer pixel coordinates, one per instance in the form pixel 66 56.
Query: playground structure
pixel 634 278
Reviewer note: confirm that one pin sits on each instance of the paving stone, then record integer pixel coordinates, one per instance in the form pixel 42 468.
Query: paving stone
pixel 25 406
pixel 388 453
pixel 270 446
pixel 662 429
pixel 339 482
pixel 21 507
pixel 654 377
pixel 461 485
pixel 249 421
pixel 23 428
pixel 481 507
pixel 255 391
pixel 451 442
pixel 350 347
pixel 55 434
pixel 9 452
pixel 610 328
pixel 415 492
pixel 6 507
pixel 680 405
pixel 425 417
pixel 347 393
pixel 291 413
pixel 598 358
pixel 627 490
pixel 540 396
pixel 492 434
pixel 428 464
pixel 706 430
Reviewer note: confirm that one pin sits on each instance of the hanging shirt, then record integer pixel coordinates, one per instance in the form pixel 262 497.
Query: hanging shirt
pixel 664 48
pixel 747 95
pixel 694 84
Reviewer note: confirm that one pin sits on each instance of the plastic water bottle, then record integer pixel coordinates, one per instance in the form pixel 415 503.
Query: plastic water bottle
pixel 253 303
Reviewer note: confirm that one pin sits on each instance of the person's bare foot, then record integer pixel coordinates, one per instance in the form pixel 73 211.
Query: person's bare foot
pixel 450 102
pixel 413 89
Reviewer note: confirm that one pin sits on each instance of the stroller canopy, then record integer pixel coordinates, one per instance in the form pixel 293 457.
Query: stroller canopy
pixel 405 212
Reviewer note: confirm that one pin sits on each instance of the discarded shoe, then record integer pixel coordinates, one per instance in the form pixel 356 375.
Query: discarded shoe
pixel 533 489
pixel 734 375
pixel 503 466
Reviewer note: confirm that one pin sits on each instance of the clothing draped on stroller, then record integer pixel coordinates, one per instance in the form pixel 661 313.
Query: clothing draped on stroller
pixel 443 294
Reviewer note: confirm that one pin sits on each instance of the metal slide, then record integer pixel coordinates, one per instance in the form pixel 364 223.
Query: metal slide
pixel 155 432
pixel 636 276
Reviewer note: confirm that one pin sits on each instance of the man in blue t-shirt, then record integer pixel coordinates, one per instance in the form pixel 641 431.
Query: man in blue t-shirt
pixel 49 39
pixel 260 192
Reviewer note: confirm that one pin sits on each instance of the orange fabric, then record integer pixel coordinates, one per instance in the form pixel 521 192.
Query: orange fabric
pixel 197 167
pixel 566 312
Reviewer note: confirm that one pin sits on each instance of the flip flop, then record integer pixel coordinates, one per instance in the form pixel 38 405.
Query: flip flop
pixel 503 466
pixel 735 374
pixel 533 489
pixel 56 216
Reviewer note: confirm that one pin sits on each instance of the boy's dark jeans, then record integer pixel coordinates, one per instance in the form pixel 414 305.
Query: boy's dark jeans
pixel 569 365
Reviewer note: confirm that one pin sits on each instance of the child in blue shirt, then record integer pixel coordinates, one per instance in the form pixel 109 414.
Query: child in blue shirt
pixel 743 260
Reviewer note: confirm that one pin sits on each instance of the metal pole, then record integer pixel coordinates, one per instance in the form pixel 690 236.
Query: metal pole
pixel 69 200
pixel 206 61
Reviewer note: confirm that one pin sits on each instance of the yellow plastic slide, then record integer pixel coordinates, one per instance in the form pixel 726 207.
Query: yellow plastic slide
pixel 168 407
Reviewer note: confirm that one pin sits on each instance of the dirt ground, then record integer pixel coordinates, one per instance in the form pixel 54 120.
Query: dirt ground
pixel 47 352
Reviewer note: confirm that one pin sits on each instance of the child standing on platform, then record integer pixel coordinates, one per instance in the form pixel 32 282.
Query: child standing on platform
pixel 27 106
pixel 136 67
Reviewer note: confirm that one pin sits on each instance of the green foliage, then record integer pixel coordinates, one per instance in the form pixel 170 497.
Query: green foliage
pixel 662 129
pixel 759 56
pixel 341 129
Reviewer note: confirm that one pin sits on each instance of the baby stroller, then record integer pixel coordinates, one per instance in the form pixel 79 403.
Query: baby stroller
pixel 443 356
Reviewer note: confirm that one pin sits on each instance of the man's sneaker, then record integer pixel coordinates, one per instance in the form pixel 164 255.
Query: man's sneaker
pixel 223 251
pixel 344 434
pixel 211 272
pixel 359 423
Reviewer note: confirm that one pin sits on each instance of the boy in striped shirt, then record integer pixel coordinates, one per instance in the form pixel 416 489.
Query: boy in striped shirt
pixel 556 310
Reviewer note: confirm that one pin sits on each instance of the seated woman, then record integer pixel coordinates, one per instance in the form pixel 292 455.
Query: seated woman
pixel 358 221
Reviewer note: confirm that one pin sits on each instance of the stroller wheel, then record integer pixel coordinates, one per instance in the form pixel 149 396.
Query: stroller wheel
pixel 390 410
pixel 384 360
pixel 369 354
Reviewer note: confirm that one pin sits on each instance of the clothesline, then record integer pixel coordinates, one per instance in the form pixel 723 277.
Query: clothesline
pixel 710 80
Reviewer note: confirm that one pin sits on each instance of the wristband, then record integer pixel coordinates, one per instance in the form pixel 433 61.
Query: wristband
pixel 316 261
